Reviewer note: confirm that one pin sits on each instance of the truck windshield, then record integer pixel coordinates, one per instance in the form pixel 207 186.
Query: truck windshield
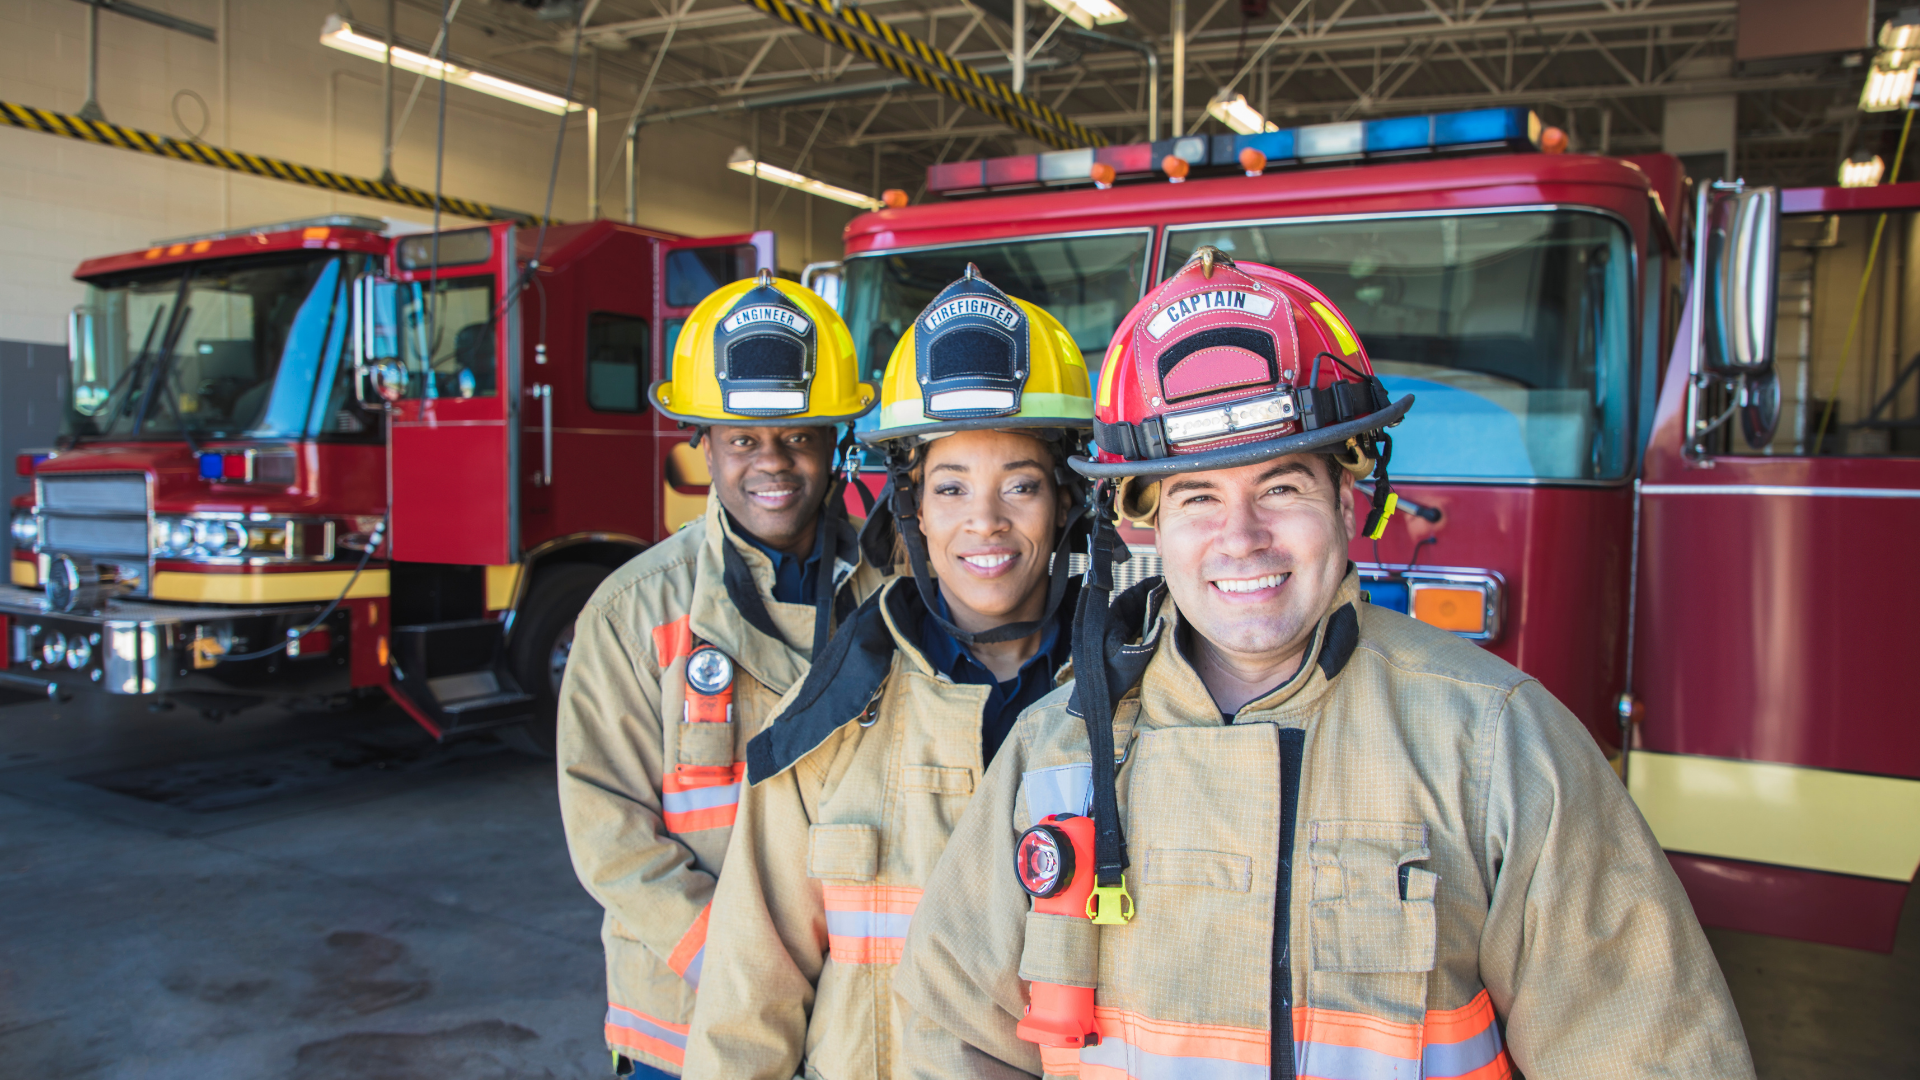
pixel 1088 282
pixel 249 347
pixel 1510 329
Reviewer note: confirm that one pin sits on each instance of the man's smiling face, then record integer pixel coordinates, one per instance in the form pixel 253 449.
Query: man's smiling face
pixel 773 481
pixel 1253 555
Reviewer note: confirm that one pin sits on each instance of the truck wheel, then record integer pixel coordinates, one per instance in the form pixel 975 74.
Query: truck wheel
pixel 542 641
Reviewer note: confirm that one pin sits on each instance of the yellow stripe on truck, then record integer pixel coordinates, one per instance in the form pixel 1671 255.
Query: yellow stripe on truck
pixel 502 583
pixel 321 585
pixel 1757 811
pixel 26 574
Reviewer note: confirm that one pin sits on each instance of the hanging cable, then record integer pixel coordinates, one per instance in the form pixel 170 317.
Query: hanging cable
pixel 373 544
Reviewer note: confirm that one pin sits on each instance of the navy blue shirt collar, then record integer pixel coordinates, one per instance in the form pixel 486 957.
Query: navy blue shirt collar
pixel 1005 700
pixel 794 579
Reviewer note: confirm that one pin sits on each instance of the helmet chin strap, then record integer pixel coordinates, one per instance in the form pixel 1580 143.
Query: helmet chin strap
pixel 906 518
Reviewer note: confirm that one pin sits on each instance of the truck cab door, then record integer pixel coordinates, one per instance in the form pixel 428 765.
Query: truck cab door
pixel 453 388
pixel 686 272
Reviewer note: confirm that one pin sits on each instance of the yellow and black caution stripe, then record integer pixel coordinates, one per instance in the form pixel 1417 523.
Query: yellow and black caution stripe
pixel 898 51
pixel 199 153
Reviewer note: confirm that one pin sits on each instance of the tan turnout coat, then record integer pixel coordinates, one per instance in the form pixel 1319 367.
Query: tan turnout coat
pixel 1539 925
pixel 828 860
pixel 649 799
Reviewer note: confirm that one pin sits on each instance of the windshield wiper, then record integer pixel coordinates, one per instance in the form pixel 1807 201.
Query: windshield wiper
pixel 140 359
pixel 162 365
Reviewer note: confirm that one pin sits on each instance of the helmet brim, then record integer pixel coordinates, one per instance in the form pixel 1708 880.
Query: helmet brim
pixel 1233 457
pixel 653 396
pixel 988 423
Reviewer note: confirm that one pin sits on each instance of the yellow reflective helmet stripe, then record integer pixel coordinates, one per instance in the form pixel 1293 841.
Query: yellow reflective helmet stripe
pixel 1340 332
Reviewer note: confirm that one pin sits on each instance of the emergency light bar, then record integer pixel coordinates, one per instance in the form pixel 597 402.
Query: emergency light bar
pixel 1477 130
pixel 338 33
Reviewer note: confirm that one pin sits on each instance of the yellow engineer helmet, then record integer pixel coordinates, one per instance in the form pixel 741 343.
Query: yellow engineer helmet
pixel 764 352
pixel 978 358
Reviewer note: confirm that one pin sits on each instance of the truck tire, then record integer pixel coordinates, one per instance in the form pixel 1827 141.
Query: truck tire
pixel 542 640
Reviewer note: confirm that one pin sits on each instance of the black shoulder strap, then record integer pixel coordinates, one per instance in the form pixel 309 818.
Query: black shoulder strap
pixel 838 687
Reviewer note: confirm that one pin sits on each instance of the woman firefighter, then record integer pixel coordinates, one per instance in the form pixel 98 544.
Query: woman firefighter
pixel 870 763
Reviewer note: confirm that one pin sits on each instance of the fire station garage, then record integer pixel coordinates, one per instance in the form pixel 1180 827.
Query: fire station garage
pixel 336 339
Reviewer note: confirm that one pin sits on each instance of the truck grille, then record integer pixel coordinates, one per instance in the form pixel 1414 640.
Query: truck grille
pixel 100 516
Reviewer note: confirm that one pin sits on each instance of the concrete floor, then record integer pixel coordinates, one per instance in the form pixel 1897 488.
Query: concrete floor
pixel 334 898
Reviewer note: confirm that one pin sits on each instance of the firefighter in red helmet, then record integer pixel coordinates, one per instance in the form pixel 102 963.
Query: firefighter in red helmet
pixel 1272 830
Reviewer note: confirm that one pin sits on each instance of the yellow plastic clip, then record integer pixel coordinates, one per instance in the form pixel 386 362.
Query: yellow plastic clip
pixel 1110 905
pixel 1386 515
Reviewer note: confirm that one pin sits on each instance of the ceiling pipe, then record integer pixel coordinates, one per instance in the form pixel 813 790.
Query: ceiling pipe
pixel 1152 56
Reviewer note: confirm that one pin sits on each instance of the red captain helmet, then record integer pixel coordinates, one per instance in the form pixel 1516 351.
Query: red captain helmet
pixel 1231 363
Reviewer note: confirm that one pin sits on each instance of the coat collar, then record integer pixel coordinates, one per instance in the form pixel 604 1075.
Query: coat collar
pixel 713 618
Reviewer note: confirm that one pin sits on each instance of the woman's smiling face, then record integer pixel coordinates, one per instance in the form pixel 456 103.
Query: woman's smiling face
pixel 989 509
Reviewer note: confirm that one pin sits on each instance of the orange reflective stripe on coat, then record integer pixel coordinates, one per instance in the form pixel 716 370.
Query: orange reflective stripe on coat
pixel 692 950
pixel 673 640
pixel 867 924
pixel 1137 1047
pixel 632 1030
pixel 694 797
pixel 1453 1043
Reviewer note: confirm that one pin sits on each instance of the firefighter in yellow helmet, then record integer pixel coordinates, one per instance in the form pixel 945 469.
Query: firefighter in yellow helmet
pixel 855 787
pixel 679 657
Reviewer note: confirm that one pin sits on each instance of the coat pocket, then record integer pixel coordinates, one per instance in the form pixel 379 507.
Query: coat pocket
pixel 705 744
pixel 1372 908
pixel 938 779
pixel 843 852
pixel 1060 949
pixel 1206 869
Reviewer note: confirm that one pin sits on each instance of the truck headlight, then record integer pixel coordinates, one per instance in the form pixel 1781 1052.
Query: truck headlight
pixel 26 529
pixel 230 538
pixel 173 538
pixel 220 539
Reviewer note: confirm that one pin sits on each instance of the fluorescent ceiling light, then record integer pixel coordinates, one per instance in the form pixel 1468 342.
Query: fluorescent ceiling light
pixel 340 34
pixel 1233 111
pixel 1887 90
pixel 1898 38
pixel 1861 171
pixel 742 162
pixel 1086 13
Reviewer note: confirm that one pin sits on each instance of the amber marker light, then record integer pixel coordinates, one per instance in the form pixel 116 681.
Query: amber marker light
pixel 1102 175
pixel 1461 610
pixel 1253 161
pixel 1176 168
pixel 1553 141
pixel 894 198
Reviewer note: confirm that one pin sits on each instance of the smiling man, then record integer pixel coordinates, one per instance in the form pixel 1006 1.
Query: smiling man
pixel 1325 840
pixel 680 656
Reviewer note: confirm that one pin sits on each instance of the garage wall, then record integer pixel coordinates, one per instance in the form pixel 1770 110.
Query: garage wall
pixel 285 95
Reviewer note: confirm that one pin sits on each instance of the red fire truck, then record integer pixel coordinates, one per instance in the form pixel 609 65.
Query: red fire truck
pixel 320 459
pixel 1643 505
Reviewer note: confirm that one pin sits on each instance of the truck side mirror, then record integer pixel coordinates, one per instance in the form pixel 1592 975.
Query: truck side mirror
pixel 825 278
pixel 1742 274
pixel 376 335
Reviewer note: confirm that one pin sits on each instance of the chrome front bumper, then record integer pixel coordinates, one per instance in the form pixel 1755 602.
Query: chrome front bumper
pixel 139 648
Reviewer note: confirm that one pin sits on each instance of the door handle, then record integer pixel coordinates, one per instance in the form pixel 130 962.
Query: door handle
pixel 544 392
